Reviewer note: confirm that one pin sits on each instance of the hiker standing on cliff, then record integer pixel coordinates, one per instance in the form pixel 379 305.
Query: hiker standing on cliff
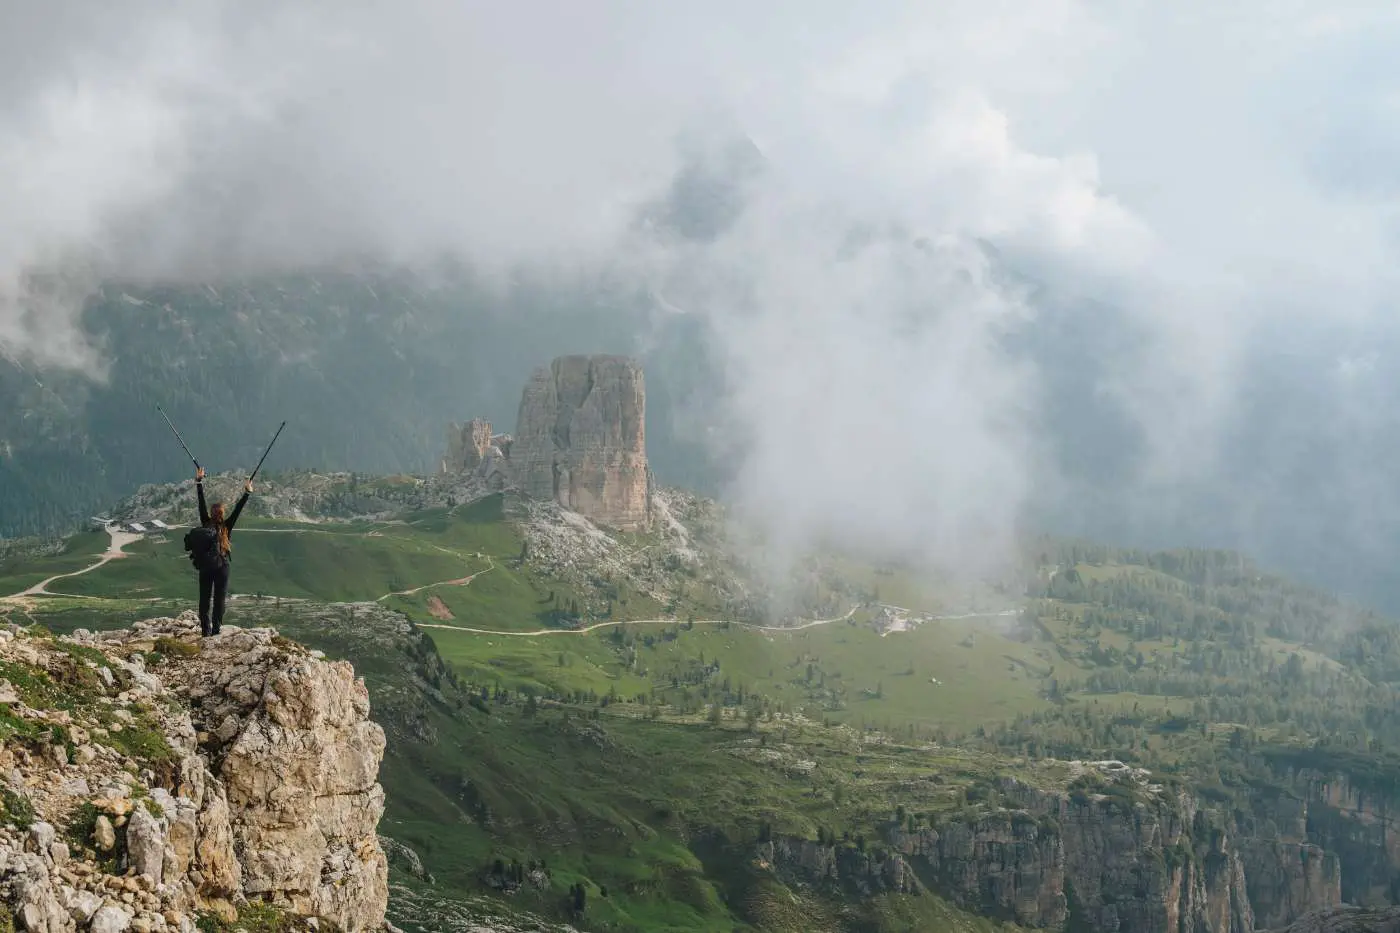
pixel 210 552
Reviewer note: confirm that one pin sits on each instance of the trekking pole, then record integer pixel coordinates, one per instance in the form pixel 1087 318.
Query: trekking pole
pixel 268 451
pixel 178 437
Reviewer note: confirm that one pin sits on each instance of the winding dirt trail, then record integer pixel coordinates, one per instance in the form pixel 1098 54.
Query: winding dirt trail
pixel 597 625
pixel 119 540
pixel 748 625
pixel 463 581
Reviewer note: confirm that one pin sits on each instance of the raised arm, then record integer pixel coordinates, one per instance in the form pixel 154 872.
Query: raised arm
pixel 199 490
pixel 238 506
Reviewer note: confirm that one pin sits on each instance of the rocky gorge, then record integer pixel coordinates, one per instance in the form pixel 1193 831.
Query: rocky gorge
pixel 156 781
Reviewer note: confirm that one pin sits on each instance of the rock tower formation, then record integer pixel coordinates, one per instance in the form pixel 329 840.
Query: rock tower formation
pixel 580 441
pixel 472 448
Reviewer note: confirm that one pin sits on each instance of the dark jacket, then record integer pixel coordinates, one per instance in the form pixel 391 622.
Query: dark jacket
pixel 230 519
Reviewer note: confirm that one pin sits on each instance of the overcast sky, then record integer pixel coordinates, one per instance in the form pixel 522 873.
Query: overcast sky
pixel 1206 169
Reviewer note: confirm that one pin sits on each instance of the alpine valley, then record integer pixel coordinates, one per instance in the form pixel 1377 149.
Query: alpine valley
pixel 582 727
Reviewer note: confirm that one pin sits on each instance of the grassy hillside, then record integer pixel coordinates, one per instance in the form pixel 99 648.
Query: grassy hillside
pixel 539 712
pixel 432 553
pixel 942 673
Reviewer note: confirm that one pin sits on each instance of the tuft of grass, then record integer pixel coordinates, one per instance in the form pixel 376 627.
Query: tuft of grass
pixel 38 690
pixel 142 739
pixel 253 917
pixel 76 675
pixel 82 653
pixel 175 648
pixel 12 726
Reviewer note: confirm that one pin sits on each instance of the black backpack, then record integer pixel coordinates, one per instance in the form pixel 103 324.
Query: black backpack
pixel 203 544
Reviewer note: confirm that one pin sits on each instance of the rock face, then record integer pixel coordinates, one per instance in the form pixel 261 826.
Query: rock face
pixel 291 740
pixel 580 441
pixel 1108 863
pixel 205 774
pixel 1288 878
pixel 1359 826
pixel 1104 862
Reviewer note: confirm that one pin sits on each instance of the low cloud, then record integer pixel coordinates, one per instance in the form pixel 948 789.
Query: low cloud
pixel 925 188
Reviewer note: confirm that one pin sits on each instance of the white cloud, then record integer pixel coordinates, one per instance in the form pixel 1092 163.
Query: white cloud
pixel 1184 162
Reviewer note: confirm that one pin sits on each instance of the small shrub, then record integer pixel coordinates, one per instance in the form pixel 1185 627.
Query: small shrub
pixel 17 810
pixel 78 677
pixel 1177 856
pixel 82 825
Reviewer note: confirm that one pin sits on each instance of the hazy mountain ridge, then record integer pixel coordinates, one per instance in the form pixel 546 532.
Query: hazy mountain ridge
pixel 228 362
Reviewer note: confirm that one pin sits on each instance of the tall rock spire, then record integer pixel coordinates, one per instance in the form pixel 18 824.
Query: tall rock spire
pixel 581 439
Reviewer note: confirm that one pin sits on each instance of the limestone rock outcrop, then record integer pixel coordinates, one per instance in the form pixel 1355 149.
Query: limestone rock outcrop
pixel 1289 877
pixel 291 740
pixel 1150 863
pixel 205 776
pixel 580 441
pixel 1097 860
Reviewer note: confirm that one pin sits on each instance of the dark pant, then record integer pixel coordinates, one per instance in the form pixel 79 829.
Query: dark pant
pixel 212 583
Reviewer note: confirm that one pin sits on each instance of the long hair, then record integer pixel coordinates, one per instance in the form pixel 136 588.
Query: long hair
pixel 216 518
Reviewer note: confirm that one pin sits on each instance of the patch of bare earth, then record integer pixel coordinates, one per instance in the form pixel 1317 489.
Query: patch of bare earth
pixel 438 609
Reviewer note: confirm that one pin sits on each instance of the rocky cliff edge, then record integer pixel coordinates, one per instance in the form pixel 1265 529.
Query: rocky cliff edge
pixel 152 780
